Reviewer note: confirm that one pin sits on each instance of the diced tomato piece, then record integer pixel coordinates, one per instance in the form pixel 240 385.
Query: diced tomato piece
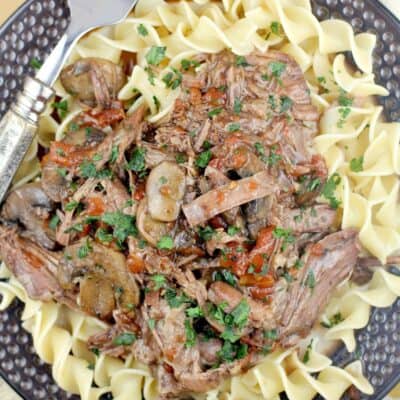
pixel 259 281
pixel 96 206
pixel 102 118
pixel 135 264
pixel 260 293
pixel 214 96
pixel 67 155
pixel 140 191
pixel 234 259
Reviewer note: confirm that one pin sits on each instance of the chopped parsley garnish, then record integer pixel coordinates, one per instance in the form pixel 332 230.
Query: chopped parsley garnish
pixel 224 275
pixel 276 28
pixel 151 76
pixel 232 351
pixel 272 159
pixel 321 80
pixel 156 103
pixel 35 63
pixel 194 312
pixel 85 249
pixel 344 111
pixel 286 104
pixel 165 243
pixel 214 112
pixel 123 225
pixel 114 154
pixel 72 205
pixel 357 164
pixel 234 127
pixel 288 277
pixel 314 184
pixel 172 79
pixel 61 107
pixel 232 230
pixel 73 126
pixel 206 233
pixel 137 161
pixel 187 64
pixel 241 314
pixel 175 301
pixel 125 339
pixel 328 191
pixel 159 281
pixel 91 366
pixel 104 236
pixel 97 157
pixel 277 68
pixel 285 234
pixel 142 30
pixel 310 280
pixel 241 61
pixel 152 323
pixel 271 335
pixel 272 102
pixel 180 158
pixel 155 55
pixel 88 169
pixel 95 351
pixel 229 335
pixel 306 357
pixel 142 243
pixel 190 334
pixel 55 220
pixel 333 321
pixel 237 106
pixel 298 264
pixel 75 228
pixel 163 180
pixel 203 159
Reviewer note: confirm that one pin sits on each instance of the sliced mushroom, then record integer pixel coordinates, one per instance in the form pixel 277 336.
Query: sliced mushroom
pixel 30 207
pixel 107 268
pixel 93 80
pixel 165 189
pixel 151 229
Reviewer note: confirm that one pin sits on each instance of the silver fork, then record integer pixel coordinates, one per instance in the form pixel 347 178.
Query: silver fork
pixel 18 127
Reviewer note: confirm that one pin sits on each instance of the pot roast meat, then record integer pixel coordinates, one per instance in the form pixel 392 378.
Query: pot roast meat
pixel 191 237
pixel 326 264
pixel 229 196
pixel 29 206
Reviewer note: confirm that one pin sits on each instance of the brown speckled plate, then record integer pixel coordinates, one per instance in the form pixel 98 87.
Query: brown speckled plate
pixel 34 30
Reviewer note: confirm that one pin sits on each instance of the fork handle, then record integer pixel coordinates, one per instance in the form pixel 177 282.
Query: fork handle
pixel 18 128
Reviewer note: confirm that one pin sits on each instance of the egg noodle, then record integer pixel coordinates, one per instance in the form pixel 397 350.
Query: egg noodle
pixel 357 146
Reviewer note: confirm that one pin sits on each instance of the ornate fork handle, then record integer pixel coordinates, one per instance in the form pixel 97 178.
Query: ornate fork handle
pixel 18 128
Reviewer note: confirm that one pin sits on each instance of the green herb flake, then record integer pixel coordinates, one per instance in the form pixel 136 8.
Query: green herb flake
pixel 357 164
pixel 237 106
pixel 194 312
pixel 271 335
pixel 72 205
pixel 203 159
pixel 156 103
pixel 321 80
pixel 234 127
pixel 155 55
pixel 165 243
pixel 75 228
pixel 159 281
pixel 103 236
pixel 233 230
pixel 114 154
pixel 152 323
pixel 54 222
pixel 284 234
pixel 180 158
pixel 61 107
pixel 241 61
pixel 123 225
pixel 206 233
pixel 125 339
pixel 240 314
pixel 151 76
pixel 91 366
pixel 190 334
pixel 85 249
pixel 277 68
pixel 142 30
pixel 174 300
pixel 137 162
pixel 88 169
pixel 310 280
pixel 230 335
pixel 333 321
pixel 214 112
pixel 35 63
pixel 276 28
pixel 306 356
pixel 328 191
pixel 225 275
pixel 187 64
pixel 286 104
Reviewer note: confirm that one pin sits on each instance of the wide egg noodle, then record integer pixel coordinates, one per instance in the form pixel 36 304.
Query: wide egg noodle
pixel 368 198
